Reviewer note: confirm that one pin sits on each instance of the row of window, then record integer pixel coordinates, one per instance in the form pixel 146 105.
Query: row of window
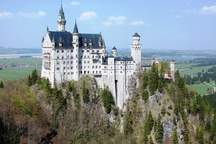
pixel 93 51
pixel 84 72
pixel 85 57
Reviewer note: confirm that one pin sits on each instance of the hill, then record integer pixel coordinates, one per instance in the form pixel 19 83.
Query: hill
pixel 158 111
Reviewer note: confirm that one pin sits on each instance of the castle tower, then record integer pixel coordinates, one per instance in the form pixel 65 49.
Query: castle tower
pixel 114 52
pixel 172 70
pixel 61 22
pixel 136 49
pixel 75 41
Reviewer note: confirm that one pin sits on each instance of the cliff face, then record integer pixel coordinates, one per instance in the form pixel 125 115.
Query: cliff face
pixel 158 111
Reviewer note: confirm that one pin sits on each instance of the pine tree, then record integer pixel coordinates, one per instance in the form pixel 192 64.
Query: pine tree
pixel 153 79
pixel 128 123
pixel 85 93
pixel 199 136
pixel 159 131
pixel 34 76
pixel 148 125
pixel 1 84
pixel 175 137
pixel 145 95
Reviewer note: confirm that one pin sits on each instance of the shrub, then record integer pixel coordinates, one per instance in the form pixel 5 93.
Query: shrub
pixel 108 100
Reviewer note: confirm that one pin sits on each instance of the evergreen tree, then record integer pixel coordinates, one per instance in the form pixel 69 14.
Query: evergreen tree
pixel 1 84
pixel 148 125
pixel 175 136
pixel 159 131
pixel 145 80
pixel 108 100
pixel 153 79
pixel 145 95
pixel 85 93
pixel 128 123
pixel 199 135
pixel 34 76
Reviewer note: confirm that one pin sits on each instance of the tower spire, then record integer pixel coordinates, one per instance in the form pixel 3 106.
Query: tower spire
pixel 75 28
pixel 61 19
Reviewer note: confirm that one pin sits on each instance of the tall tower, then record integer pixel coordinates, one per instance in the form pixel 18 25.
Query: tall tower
pixel 76 52
pixel 136 49
pixel 61 22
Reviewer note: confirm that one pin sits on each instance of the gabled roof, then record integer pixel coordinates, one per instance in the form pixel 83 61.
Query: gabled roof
pixel 58 37
pixel 94 39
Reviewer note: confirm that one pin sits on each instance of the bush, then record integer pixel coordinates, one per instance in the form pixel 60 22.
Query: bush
pixel 1 84
pixel 108 100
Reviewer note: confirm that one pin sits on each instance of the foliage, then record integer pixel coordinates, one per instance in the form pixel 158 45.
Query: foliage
pixel 159 131
pixel 148 125
pixel 145 95
pixel 85 93
pixel 128 123
pixel 108 100
pixel 174 136
pixel 153 79
pixel 1 84
pixel 199 135
pixel 32 79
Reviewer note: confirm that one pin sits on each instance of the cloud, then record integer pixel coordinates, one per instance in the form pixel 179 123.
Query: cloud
pixel 208 10
pixel 32 14
pixel 137 23
pixel 115 20
pixel 87 15
pixel 5 14
pixel 75 3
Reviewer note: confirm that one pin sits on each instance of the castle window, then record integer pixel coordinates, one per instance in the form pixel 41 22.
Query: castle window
pixel 57 51
pixel 62 57
pixel 87 50
pixel 93 72
pixel 92 66
pixel 63 62
pixel 71 72
pixel 57 68
pixel 68 73
pixel 64 67
pixel 71 57
pixel 88 72
pixel 62 50
pixel 71 62
pixel 57 57
pixel 84 72
pixel 57 62
pixel 71 50
pixel 71 67
pixel 67 62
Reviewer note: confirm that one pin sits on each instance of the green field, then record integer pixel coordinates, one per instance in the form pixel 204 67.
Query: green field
pixel 19 68
pixel 190 69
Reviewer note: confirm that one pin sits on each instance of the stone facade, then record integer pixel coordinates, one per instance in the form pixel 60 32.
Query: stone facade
pixel 67 56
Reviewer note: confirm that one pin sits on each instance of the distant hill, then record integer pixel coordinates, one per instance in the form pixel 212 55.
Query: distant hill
pixel 4 50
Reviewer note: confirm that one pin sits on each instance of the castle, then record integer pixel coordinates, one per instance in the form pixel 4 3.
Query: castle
pixel 68 56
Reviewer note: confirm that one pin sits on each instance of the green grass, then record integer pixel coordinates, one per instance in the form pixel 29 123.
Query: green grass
pixel 190 69
pixel 25 67
pixel 202 88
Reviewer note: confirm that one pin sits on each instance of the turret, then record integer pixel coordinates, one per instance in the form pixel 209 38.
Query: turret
pixel 114 52
pixel 136 49
pixel 172 69
pixel 76 52
pixel 61 22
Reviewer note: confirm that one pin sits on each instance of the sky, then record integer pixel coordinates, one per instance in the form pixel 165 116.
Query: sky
pixel 162 24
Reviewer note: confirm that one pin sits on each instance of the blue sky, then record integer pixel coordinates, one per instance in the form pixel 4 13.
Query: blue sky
pixel 163 24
